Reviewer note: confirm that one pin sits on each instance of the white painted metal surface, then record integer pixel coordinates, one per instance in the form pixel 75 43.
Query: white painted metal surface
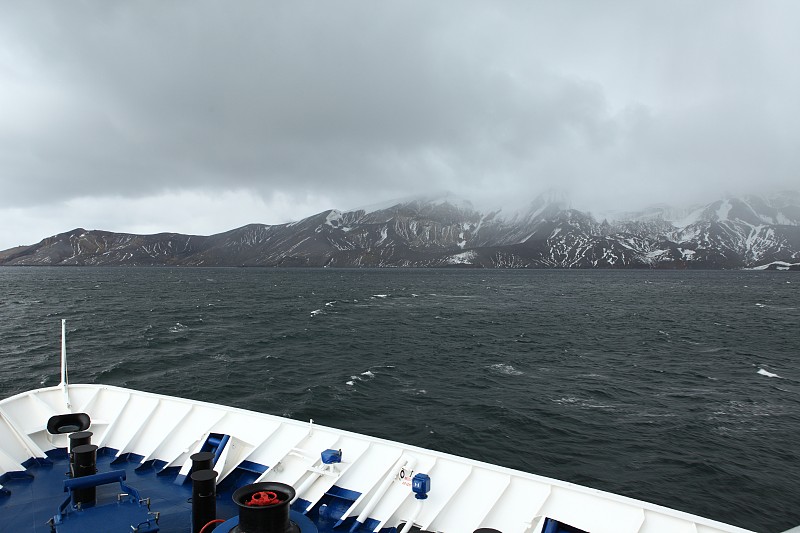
pixel 64 375
pixel 465 494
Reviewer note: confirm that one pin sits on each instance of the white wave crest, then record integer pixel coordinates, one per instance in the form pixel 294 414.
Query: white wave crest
pixel 503 368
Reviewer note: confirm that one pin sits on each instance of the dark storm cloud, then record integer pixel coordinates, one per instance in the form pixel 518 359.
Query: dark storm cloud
pixel 361 101
pixel 189 96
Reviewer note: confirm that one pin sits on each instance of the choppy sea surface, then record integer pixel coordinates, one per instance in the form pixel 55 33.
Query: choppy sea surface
pixel 679 388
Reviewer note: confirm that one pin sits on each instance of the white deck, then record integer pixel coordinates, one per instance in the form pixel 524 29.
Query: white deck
pixel 465 495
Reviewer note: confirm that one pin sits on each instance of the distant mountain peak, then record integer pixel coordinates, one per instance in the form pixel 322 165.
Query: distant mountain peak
pixel 446 230
pixel 434 198
pixel 753 210
pixel 553 197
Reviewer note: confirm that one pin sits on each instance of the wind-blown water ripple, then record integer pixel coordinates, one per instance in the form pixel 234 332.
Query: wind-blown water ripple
pixel 679 388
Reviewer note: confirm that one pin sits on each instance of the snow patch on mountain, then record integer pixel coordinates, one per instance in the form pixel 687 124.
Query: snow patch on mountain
pixel 778 265
pixel 692 218
pixel 432 199
pixel 723 210
pixel 439 231
pixel 465 258
pixel 334 219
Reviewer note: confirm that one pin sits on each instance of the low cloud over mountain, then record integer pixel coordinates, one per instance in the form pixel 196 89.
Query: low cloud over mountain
pixel 741 232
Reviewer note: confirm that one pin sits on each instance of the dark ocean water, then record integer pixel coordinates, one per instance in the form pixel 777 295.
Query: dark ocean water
pixel 679 388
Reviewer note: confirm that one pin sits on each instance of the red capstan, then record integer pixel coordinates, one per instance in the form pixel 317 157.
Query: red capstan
pixel 263 498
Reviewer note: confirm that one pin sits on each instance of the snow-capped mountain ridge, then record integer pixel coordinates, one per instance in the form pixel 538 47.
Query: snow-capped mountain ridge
pixel 732 232
pixel 751 210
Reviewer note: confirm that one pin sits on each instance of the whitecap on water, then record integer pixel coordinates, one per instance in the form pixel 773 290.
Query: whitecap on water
pixel 767 373
pixel 581 402
pixel 506 369
pixel 713 349
pixel 178 327
pixel 366 375
pixel 566 400
pixel 315 312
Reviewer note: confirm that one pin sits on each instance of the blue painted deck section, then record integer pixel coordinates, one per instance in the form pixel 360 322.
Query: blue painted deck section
pixel 31 498
pixel 34 498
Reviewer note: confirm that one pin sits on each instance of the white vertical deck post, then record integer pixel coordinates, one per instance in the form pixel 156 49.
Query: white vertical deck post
pixel 64 377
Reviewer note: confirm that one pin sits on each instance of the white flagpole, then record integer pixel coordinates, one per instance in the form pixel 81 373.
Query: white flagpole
pixel 64 378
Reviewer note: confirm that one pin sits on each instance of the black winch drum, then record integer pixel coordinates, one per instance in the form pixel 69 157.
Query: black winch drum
pixel 266 519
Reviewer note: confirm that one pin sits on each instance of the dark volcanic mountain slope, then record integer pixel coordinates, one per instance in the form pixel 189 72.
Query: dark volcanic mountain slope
pixel 731 233
pixel 81 247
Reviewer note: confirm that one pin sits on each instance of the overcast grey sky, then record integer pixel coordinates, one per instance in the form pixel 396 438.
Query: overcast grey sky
pixel 197 116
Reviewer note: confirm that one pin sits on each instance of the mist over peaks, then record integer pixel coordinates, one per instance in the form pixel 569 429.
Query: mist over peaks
pixel 442 231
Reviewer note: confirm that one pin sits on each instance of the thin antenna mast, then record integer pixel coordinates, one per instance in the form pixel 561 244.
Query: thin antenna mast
pixel 64 377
